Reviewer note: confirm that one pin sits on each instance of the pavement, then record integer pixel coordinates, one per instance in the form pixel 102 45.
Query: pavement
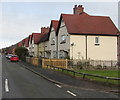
pixel 70 81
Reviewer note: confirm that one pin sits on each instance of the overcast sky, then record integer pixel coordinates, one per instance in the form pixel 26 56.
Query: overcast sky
pixel 19 19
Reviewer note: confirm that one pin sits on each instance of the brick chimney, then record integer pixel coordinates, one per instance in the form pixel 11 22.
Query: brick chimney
pixel 78 9
pixel 45 29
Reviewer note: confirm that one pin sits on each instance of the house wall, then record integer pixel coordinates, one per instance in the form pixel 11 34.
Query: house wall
pixel 35 54
pixel 47 49
pixel 41 49
pixel 107 50
pixel 78 50
pixel 30 48
pixel 64 46
pixel 27 48
pixel 53 47
pixel 118 54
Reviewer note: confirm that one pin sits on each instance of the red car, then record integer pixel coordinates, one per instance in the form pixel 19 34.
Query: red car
pixel 14 58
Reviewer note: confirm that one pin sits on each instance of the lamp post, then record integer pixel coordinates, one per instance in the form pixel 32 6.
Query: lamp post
pixel 72 44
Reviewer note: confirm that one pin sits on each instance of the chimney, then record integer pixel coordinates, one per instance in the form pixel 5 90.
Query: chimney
pixel 45 29
pixel 77 10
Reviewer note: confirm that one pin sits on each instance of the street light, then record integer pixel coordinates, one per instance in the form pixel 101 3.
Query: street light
pixel 72 44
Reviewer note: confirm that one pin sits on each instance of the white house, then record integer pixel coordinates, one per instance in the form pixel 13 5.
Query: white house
pixel 53 38
pixel 82 36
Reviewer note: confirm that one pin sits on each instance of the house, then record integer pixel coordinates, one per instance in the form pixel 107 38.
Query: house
pixel 44 51
pixel 30 46
pixel 48 42
pixel 43 44
pixel 33 44
pixel 83 36
pixel 53 39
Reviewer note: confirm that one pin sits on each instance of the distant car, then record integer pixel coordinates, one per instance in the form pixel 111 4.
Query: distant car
pixel 9 56
pixel 14 58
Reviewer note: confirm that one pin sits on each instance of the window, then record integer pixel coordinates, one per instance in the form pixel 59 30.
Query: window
pixel 97 41
pixel 63 39
pixel 53 41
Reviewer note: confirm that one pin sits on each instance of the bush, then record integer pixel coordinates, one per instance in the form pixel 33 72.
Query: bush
pixel 22 52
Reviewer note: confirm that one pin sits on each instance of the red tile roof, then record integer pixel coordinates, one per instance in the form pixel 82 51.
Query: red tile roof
pixel 20 44
pixel 26 42
pixel 23 42
pixel 37 37
pixel 29 37
pixel 44 37
pixel 55 24
pixel 86 24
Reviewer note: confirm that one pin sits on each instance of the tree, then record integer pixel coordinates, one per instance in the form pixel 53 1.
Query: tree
pixel 22 52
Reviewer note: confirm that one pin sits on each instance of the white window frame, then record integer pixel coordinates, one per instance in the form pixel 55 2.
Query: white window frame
pixel 97 40
pixel 63 39
pixel 53 41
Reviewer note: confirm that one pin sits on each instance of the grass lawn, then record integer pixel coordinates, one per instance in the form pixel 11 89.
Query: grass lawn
pixel 107 73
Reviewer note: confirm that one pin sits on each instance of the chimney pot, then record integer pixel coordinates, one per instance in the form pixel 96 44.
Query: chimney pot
pixel 44 29
pixel 78 10
pixel 75 6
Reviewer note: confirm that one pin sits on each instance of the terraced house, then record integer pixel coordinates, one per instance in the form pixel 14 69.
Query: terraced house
pixel 53 40
pixel 43 44
pixel 76 36
pixel 48 42
pixel 33 44
pixel 83 36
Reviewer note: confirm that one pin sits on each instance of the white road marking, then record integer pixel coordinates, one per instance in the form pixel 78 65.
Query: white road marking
pixel 71 93
pixel 6 85
pixel 58 86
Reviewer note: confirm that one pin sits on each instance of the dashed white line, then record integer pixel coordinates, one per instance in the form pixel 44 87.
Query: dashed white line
pixel 58 86
pixel 6 85
pixel 71 93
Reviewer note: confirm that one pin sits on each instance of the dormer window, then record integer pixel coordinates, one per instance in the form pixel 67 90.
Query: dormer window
pixel 63 39
pixel 53 41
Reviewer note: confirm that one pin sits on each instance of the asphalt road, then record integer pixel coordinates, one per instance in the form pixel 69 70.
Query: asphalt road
pixel 18 82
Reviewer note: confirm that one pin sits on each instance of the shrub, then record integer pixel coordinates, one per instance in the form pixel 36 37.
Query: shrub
pixel 22 52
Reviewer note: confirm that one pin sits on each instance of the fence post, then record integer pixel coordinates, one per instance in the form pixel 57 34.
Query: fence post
pixel 83 76
pixel 43 63
pixel 111 63
pixel 66 63
pixel 74 73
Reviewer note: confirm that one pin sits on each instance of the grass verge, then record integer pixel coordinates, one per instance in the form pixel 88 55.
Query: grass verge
pixel 107 73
